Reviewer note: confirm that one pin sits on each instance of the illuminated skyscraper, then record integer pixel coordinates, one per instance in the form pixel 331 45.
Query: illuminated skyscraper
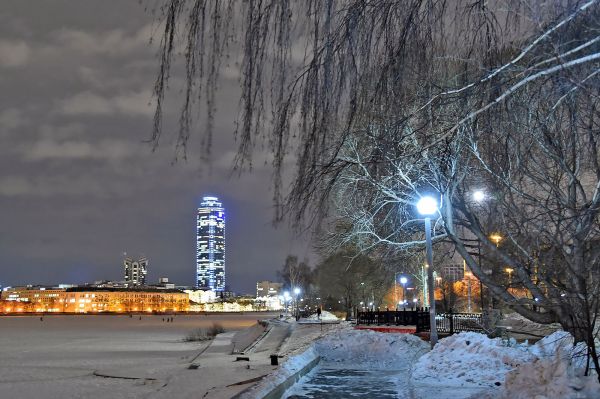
pixel 210 245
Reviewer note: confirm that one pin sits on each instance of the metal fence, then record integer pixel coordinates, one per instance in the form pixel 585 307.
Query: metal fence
pixel 451 323
pixel 391 317
pixel 447 323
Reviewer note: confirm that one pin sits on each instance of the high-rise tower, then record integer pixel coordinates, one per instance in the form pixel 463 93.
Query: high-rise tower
pixel 135 271
pixel 210 245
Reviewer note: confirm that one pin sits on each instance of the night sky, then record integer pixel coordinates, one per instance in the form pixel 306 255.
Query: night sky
pixel 78 184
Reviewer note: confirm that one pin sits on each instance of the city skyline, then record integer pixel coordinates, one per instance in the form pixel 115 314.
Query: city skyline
pixel 79 168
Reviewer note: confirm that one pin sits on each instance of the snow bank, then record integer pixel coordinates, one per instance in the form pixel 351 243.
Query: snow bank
pixel 371 349
pixel 520 324
pixel 548 378
pixel 325 316
pixel 469 359
pixel 556 373
pixel 560 344
pixel 290 367
pixel 550 369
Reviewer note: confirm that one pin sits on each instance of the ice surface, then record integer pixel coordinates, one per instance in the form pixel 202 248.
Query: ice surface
pixel 56 357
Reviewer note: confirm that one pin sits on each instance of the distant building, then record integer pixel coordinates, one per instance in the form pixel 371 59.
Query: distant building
pixel 268 289
pixel 210 245
pixel 135 271
pixel 163 282
pixel 267 295
pixel 105 284
pixel 93 299
pixel 201 296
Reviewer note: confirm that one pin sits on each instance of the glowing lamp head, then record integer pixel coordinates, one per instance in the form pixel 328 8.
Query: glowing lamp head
pixel 427 206
pixel 496 238
pixel 403 280
pixel 479 195
pixel 286 294
pixel 296 290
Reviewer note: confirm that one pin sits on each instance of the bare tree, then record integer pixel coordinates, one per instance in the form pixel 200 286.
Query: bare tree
pixel 399 98
pixel 348 278
pixel 296 274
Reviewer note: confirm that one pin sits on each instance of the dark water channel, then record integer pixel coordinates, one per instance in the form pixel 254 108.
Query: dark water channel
pixel 335 383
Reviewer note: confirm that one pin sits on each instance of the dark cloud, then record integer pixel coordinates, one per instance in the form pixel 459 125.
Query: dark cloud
pixel 79 185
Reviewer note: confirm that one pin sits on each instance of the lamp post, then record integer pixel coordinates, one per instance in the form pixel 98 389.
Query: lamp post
pixel 296 293
pixel 396 290
pixel 403 281
pixel 509 270
pixel 286 299
pixel 428 206
pixel 362 286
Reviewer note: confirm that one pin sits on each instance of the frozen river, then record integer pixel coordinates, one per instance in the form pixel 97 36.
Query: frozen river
pixel 57 357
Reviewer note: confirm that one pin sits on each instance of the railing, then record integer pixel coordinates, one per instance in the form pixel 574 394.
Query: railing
pixel 406 317
pixel 451 323
pixel 447 323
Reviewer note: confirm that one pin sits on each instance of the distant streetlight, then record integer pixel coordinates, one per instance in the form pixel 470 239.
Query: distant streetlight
pixel 428 206
pixel 296 293
pixel 286 298
pixel 509 270
pixel 403 281
pixel 479 195
pixel 496 238
pixel 362 286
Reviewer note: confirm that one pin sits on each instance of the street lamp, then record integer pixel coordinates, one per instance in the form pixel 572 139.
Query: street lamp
pixel 509 270
pixel 403 281
pixel 496 238
pixel 362 286
pixel 286 298
pixel 428 206
pixel 478 195
pixel 297 292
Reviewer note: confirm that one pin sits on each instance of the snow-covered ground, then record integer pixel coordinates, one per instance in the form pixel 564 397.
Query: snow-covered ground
pixel 466 365
pixel 552 368
pixel 469 359
pixel 57 357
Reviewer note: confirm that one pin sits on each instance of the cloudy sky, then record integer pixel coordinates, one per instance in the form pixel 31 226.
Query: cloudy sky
pixel 78 185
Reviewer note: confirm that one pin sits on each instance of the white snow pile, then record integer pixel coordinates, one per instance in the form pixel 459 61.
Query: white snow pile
pixel 372 349
pixel 325 316
pixel 550 369
pixel 469 359
pixel 560 344
pixel 548 378
pixel 556 373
